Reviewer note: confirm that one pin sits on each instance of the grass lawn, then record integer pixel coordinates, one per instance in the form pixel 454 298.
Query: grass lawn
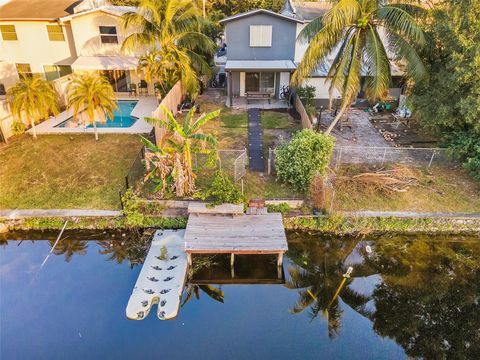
pixel 267 187
pixel 230 127
pixel 277 127
pixel 65 171
pixel 440 189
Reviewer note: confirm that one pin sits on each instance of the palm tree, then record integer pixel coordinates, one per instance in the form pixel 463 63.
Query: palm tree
pixel 92 97
pixel 33 98
pixel 365 32
pixel 171 29
pixel 186 139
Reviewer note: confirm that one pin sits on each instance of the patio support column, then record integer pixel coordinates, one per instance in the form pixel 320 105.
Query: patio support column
pixel 230 88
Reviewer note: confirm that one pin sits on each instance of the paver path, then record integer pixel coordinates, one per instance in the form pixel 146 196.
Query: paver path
pixel 255 141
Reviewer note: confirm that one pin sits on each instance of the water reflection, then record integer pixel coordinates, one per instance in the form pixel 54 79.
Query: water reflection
pixel 317 270
pixel 424 293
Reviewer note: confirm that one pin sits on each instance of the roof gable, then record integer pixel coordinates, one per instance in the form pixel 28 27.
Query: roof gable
pixel 112 10
pixel 259 11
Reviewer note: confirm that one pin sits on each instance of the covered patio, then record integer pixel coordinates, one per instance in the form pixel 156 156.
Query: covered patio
pixel 121 71
pixel 257 83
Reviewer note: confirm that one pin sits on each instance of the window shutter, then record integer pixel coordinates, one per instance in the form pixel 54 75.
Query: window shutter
pixel 260 35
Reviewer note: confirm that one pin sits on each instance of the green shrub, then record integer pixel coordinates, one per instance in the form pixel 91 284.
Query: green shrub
pixel 282 208
pixel 132 210
pixel 18 127
pixel 307 154
pixel 223 190
pixel 311 110
pixel 307 95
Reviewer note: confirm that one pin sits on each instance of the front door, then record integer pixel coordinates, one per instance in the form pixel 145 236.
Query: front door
pixel 252 82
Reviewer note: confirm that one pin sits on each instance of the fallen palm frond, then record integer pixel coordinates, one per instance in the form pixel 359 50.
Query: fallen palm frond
pixel 398 179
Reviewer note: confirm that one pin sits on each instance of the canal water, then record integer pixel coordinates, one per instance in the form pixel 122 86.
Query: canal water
pixel 406 297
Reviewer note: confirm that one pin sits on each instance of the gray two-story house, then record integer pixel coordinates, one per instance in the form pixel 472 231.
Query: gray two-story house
pixel 264 49
pixel 261 52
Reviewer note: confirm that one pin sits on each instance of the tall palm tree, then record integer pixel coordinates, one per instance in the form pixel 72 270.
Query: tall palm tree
pixel 33 98
pixel 172 29
pixel 92 98
pixel 365 32
pixel 187 139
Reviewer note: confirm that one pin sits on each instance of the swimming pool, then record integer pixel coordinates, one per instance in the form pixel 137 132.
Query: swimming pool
pixel 122 117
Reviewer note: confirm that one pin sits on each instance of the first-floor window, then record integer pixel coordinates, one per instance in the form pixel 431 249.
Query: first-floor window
pixel 24 70
pixel 108 35
pixel 260 81
pixel 53 72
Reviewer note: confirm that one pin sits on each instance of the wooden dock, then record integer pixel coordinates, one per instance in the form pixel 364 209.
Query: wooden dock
pixel 245 234
pixel 162 277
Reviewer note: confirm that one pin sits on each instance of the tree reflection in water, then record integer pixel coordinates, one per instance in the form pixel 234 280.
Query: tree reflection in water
pixel 132 247
pixel 318 273
pixel 69 247
pixel 428 299
pixel 193 290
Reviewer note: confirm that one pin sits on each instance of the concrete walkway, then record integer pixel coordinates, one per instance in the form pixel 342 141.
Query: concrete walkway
pixel 24 213
pixel 361 132
pixel 255 141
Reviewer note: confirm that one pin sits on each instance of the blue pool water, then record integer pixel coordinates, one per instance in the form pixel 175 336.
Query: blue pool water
pixel 122 117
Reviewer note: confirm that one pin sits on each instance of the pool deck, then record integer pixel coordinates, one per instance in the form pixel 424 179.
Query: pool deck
pixel 144 108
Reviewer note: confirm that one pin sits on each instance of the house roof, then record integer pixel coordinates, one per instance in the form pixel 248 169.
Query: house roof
pixel 37 9
pixel 105 63
pixel 109 9
pixel 259 11
pixel 310 10
pixel 260 65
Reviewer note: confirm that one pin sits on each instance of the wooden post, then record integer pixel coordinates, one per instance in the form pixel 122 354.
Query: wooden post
pixel 189 259
pixel 279 265
pixel 232 265
pixel 280 259
pixel 230 87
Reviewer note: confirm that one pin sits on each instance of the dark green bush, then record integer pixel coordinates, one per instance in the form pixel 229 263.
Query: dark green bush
pixel 223 191
pixel 307 154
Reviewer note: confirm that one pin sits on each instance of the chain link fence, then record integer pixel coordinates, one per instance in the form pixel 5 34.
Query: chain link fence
pixel 232 162
pixel 425 157
pixel 344 155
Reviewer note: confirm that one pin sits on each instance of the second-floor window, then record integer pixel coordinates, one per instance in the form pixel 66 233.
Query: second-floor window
pixel 55 33
pixel 24 70
pixel 108 35
pixel 260 35
pixel 8 32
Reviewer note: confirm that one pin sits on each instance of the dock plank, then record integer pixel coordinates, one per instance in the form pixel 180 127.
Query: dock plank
pixel 244 234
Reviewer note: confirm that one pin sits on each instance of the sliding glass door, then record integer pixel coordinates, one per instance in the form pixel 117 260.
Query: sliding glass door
pixel 119 79
pixel 260 82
